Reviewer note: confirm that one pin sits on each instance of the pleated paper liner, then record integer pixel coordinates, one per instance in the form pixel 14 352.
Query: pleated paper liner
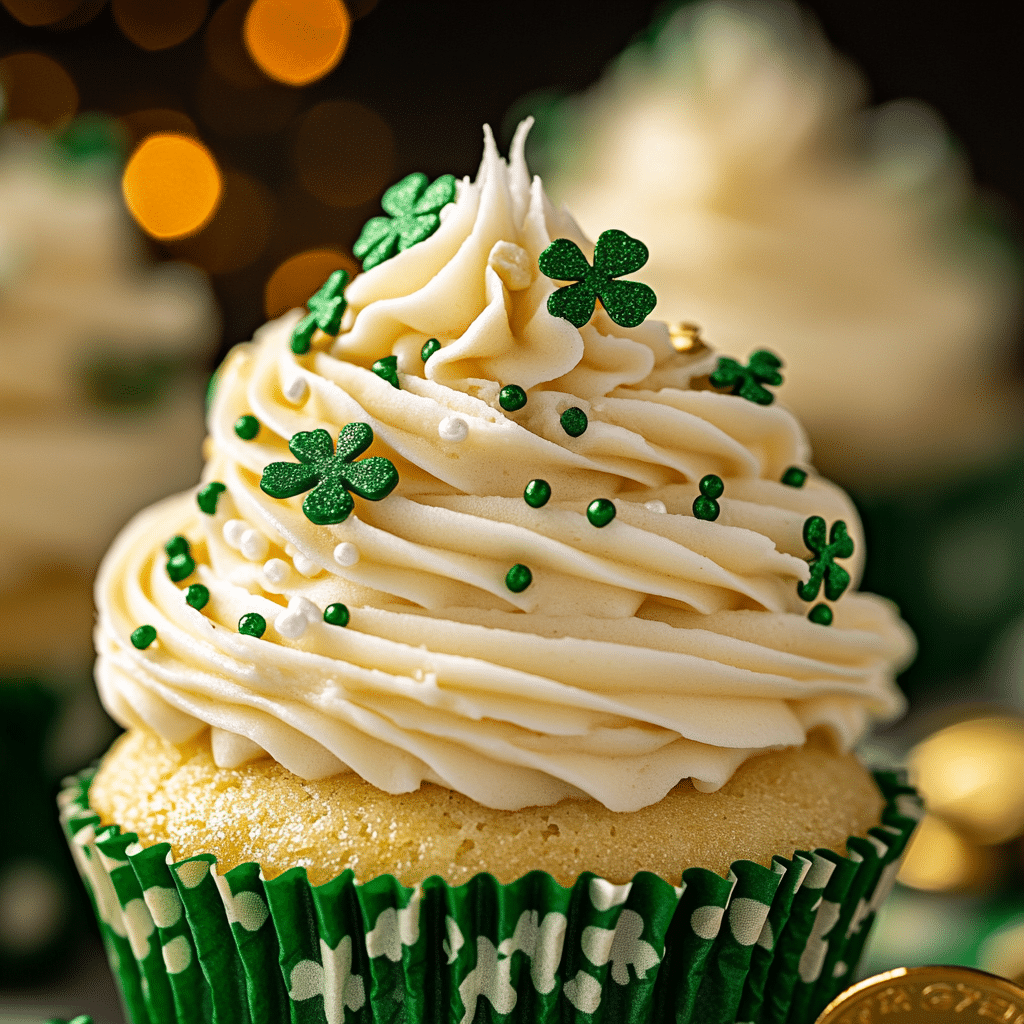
pixel 767 945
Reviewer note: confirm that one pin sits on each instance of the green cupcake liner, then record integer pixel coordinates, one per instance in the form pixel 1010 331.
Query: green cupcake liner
pixel 765 945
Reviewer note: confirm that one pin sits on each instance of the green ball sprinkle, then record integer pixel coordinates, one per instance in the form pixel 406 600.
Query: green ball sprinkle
pixel 430 346
pixel 537 493
pixel 600 512
pixel 143 637
pixel 387 369
pixel 180 567
pixel 247 427
pixel 197 596
pixel 511 397
pixel 518 578
pixel 336 614
pixel 574 421
pixel 821 614
pixel 177 545
pixel 711 486
pixel 252 624
pixel 794 477
pixel 706 507
pixel 207 497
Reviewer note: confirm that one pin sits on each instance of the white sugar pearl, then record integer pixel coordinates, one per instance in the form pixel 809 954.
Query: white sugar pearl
pixel 453 428
pixel 276 570
pixel 346 554
pixel 655 506
pixel 304 607
pixel 291 624
pixel 233 530
pixel 304 565
pixel 296 389
pixel 254 545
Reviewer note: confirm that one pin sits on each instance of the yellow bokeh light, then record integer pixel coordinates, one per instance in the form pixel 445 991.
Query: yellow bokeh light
pixel 300 275
pixel 172 185
pixel 296 41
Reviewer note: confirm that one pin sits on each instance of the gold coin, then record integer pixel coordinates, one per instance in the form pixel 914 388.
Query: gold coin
pixel 915 995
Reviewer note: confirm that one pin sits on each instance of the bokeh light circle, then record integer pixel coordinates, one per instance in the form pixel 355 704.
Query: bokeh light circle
pixel 40 12
pixel 172 185
pixel 296 41
pixel 158 120
pixel 37 89
pixel 344 153
pixel 158 24
pixel 300 275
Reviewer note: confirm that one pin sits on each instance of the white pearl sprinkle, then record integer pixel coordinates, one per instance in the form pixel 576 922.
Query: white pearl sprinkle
pixel 296 389
pixel 254 545
pixel 233 530
pixel 276 571
pixel 655 506
pixel 304 607
pixel 453 428
pixel 291 624
pixel 346 554
pixel 304 565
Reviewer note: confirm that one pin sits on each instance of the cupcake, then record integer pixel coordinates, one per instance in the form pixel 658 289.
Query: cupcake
pixel 503 666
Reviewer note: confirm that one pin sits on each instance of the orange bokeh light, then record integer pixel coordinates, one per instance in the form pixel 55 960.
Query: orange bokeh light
pixel 300 275
pixel 172 185
pixel 37 89
pixel 41 12
pixel 158 24
pixel 296 41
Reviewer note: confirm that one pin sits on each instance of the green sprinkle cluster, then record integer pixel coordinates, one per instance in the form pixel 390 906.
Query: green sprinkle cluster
pixel 180 564
pixel 826 548
pixel 207 497
pixel 247 427
pixel 706 505
pixel 252 624
pixel 511 397
pixel 143 637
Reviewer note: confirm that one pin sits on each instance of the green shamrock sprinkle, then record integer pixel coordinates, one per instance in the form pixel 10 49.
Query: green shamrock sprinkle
pixel 821 614
pixel 177 545
pixel 628 302
pixel 326 307
pixel 511 397
pixel 794 477
pixel 537 493
pixel 387 368
pixel 143 637
pixel 336 614
pixel 197 596
pixel 600 512
pixel 430 346
pixel 413 209
pixel 746 381
pixel 207 497
pixel 574 421
pixel 247 427
pixel 518 578
pixel 823 567
pixel 706 506
pixel 252 624
pixel 332 474
pixel 180 567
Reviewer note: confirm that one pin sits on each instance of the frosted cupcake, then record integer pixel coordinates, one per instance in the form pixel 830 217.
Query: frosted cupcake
pixel 489 670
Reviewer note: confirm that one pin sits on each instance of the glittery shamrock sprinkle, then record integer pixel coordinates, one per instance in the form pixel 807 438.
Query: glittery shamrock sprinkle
pixel 616 253
pixel 207 497
pixel 247 427
pixel 821 614
pixel 197 596
pixel 332 474
pixel 823 567
pixel 252 624
pixel 574 421
pixel 413 209
pixel 518 578
pixel 143 637
pixel 537 493
pixel 511 397
pixel 706 506
pixel 600 512
pixel 747 381
pixel 336 614
pixel 326 307
pixel 387 369
pixel 794 477
pixel 430 346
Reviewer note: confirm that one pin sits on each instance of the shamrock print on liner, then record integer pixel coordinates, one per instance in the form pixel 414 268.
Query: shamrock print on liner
pixel 331 474
pixel 748 381
pixel 326 308
pixel 413 209
pixel 823 566
pixel 628 303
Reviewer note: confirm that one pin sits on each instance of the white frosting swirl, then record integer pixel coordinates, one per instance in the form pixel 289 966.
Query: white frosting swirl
pixel 658 648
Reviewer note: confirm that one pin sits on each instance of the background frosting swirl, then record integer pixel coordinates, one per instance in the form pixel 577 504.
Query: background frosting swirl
pixel 659 648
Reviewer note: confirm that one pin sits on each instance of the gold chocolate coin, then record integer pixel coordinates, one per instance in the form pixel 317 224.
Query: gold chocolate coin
pixel 928 995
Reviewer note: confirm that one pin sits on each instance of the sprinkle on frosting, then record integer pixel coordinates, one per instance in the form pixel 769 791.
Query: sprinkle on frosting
pixel 821 614
pixel 600 512
pixel 197 596
pixel 706 506
pixel 177 545
pixel 413 209
pixel 511 397
pixel 823 566
pixel 252 624
pixel 247 427
pixel 207 497
pixel 628 303
pixel 387 369
pixel 346 554
pixel 143 637
pixel 326 307
pixel 180 564
pixel 518 578
pixel 794 477
pixel 537 493
pixel 453 428
pixel 332 474
pixel 336 614
pixel 430 346
pixel 574 421
pixel 748 381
